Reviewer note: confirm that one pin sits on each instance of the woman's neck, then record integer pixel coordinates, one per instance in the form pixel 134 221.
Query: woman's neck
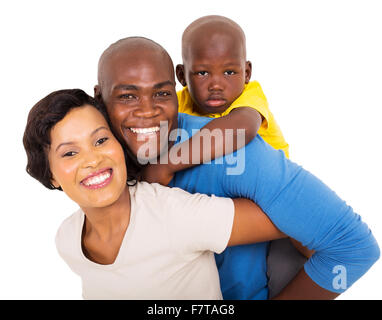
pixel 105 222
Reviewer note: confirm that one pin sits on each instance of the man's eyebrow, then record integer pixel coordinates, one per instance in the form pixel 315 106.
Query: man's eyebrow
pixel 71 142
pixel 125 87
pixel 163 84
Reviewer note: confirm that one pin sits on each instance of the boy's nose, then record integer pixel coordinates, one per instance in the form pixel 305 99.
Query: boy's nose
pixel 215 84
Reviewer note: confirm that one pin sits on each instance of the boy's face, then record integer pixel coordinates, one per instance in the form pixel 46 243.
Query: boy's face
pixel 86 160
pixel 215 72
pixel 140 96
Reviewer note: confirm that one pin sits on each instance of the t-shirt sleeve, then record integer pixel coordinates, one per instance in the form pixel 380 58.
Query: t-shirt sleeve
pixel 303 207
pixel 197 222
pixel 67 239
pixel 252 97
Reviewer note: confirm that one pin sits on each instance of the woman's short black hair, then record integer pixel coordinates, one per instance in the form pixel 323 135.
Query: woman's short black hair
pixel 44 115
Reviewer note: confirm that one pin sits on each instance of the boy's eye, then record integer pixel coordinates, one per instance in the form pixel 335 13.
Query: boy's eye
pixel 229 72
pixel 202 73
pixel 101 141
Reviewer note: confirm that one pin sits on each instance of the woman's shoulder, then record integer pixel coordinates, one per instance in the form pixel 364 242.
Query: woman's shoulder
pixel 70 227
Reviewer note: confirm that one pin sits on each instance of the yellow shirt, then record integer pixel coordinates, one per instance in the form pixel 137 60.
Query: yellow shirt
pixel 253 97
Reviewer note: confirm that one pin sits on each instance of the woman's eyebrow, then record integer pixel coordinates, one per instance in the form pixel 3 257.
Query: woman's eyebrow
pixel 98 129
pixel 92 134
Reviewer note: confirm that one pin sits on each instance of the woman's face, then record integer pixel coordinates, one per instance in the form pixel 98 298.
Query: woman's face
pixel 86 160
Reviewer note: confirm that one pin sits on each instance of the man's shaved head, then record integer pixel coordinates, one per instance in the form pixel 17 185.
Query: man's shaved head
pixel 132 48
pixel 211 29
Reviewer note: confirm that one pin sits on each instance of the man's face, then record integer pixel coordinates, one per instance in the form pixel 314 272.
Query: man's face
pixel 216 72
pixel 139 93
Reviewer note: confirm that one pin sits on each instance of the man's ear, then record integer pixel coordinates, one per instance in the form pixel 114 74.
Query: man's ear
pixel 248 71
pixel 180 74
pixel 97 92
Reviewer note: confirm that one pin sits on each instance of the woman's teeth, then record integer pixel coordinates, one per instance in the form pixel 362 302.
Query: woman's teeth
pixel 97 179
pixel 145 130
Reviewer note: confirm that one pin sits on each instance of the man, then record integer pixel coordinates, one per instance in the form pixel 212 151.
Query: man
pixel 137 84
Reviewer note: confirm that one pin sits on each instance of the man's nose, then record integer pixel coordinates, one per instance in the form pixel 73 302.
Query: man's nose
pixel 147 109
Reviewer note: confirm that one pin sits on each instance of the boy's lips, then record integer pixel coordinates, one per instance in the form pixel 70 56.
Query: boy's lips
pixel 98 179
pixel 215 102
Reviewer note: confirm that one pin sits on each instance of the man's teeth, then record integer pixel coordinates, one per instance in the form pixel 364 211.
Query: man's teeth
pixel 97 179
pixel 145 130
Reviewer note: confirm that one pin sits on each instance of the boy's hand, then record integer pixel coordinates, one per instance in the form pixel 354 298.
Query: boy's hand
pixel 160 173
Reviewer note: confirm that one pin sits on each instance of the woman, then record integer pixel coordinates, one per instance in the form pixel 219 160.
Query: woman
pixel 130 240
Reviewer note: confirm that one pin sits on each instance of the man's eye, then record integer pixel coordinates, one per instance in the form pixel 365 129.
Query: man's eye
pixel 101 141
pixel 69 154
pixel 127 96
pixel 229 72
pixel 202 73
pixel 162 94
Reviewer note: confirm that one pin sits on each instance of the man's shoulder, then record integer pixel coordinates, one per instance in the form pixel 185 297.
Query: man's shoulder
pixel 195 122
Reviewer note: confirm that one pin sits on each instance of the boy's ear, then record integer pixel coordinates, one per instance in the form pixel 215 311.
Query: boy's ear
pixel 248 71
pixel 180 74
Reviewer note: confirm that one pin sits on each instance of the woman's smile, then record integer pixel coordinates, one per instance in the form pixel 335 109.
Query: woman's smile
pixel 99 179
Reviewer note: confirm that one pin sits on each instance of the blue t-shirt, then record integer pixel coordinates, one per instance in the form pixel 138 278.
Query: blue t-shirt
pixel 297 202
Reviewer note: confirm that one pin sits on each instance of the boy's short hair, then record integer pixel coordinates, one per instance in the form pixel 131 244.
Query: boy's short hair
pixel 44 115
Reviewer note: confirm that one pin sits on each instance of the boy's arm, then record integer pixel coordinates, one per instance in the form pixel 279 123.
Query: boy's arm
pixel 219 137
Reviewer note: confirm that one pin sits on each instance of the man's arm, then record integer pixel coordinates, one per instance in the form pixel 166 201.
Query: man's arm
pixel 217 138
pixel 302 287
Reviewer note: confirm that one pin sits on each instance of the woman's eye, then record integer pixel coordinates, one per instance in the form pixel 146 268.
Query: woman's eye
pixel 101 141
pixel 69 154
pixel 229 72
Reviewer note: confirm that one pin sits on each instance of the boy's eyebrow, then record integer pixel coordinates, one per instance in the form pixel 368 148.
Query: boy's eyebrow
pixel 71 142
pixel 229 64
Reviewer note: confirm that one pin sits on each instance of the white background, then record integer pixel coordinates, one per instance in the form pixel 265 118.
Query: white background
pixel 319 63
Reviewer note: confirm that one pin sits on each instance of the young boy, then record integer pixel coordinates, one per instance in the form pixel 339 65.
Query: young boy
pixel 216 77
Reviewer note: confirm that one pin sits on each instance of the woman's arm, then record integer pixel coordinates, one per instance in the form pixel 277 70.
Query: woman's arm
pixel 251 224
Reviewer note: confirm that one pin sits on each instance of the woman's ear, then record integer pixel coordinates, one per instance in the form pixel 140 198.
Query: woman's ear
pixel 180 74
pixel 54 183
pixel 248 71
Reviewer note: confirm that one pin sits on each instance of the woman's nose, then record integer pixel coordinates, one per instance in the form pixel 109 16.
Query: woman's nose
pixel 91 159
